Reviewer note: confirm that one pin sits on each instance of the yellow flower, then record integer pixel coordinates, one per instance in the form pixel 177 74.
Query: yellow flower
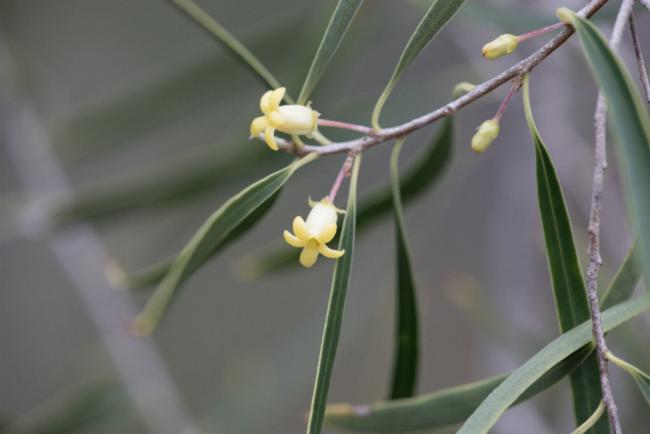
pixel 291 119
pixel 314 234
pixel 504 44
pixel 485 135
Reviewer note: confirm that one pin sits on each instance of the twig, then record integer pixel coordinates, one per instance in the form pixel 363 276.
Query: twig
pixel 593 249
pixel 640 63
pixel 385 134
pixel 504 104
pixel 81 255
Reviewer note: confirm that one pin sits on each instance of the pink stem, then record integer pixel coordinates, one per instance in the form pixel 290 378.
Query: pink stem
pixel 345 171
pixel 345 126
pixel 539 32
pixel 516 84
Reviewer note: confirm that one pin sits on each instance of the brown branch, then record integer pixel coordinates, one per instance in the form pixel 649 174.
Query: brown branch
pixel 593 249
pixel 640 63
pixel 385 134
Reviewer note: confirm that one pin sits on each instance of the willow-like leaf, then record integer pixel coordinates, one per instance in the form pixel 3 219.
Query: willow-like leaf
pixel 436 17
pixel 334 315
pixel 212 233
pixel 569 291
pixel 455 404
pixel 405 363
pixel 631 122
pixel 228 41
pixel 338 25
pixel 423 174
pixel 641 379
pixel 624 281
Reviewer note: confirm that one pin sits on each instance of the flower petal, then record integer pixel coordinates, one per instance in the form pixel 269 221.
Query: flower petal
pixel 265 102
pixel 327 234
pixel 300 229
pixel 276 97
pixel 293 240
pixel 330 253
pixel 309 255
pixel 258 125
pixel 269 137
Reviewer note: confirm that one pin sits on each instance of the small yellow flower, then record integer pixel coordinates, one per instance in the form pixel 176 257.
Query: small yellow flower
pixel 504 44
pixel 485 135
pixel 291 119
pixel 314 234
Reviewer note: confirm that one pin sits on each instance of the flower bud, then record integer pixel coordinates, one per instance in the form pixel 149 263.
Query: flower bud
pixel 504 44
pixel 485 135
pixel 462 88
pixel 565 15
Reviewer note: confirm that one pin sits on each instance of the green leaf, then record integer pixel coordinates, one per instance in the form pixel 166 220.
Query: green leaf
pixel 624 282
pixel 423 174
pixel 455 404
pixel 522 378
pixel 569 290
pixel 629 117
pixel 336 29
pixel 335 307
pixel 640 378
pixel 439 14
pixel 155 273
pixel 213 232
pixel 228 41
pixel 405 364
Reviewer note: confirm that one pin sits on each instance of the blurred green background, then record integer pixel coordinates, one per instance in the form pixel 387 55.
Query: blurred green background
pixel 149 120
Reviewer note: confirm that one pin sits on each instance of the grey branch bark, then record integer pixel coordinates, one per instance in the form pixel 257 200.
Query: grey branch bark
pixel 593 249
pixel 385 134
pixel 81 255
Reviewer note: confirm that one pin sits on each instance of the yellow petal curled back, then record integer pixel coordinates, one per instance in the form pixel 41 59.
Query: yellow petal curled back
pixel 309 255
pixel 330 253
pixel 258 125
pixel 327 233
pixel 269 137
pixel 300 229
pixel 293 240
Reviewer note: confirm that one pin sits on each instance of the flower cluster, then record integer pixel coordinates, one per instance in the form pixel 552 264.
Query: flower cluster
pixel 290 119
pixel 313 235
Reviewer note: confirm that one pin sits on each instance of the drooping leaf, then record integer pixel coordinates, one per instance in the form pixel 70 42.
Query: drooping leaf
pixel 436 17
pixel 406 355
pixel 641 379
pixel 212 233
pixel 455 404
pixel 423 174
pixel 228 41
pixel 631 122
pixel 338 25
pixel 335 307
pixel 569 291
pixel 487 414
pixel 624 281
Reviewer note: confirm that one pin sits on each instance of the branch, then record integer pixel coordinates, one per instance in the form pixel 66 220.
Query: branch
pixel 593 249
pixel 385 134
pixel 640 63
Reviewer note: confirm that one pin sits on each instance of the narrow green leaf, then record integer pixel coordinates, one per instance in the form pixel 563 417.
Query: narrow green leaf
pixel 624 282
pixel 406 358
pixel 213 232
pixel 155 273
pixel 484 418
pixel 439 14
pixel 335 307
pixel 640 378
pixel 592 420
pixel 455 404
pixel 423 174
pixel 569 290
pixel 339 23
pixel 631 123
pixel 228 41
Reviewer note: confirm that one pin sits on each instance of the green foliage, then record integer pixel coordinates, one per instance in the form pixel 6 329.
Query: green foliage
pixel 334 315
pixel 336 29
pixel 631 122
pixel 569 290
pixel 405 364
pixel 213 232
pixel 436 17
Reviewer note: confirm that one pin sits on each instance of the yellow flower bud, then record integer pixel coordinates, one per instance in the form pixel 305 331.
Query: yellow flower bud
pixel 313 235
pixel 504 44
pixel 485 135
pixel 291 119
pixel 462 88
pixel 565 15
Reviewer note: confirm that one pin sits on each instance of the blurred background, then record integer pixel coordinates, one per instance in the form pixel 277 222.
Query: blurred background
pixel 123 126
